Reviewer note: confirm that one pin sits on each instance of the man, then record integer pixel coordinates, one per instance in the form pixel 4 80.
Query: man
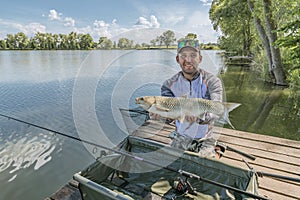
pixel 193 82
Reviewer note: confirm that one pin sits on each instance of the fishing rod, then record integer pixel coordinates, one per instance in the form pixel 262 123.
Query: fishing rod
pixel 262 174
pixel 180 171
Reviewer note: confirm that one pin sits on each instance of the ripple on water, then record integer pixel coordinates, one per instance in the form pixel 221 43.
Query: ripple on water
pixel 17 152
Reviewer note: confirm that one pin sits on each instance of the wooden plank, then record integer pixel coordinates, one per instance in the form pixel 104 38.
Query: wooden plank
pixel 274 196
pixel 155 137
pixel 291 169
pixel 279 187
pixel 266 146
pixel 264 154
pixel 275 185
pixel 258 137
pixel 67 192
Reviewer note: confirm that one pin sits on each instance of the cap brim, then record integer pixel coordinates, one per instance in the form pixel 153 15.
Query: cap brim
pixel 178 50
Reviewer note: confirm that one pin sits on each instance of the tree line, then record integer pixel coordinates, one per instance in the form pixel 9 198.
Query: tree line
pixel 78 41
pixel 75 41
pixel 267 30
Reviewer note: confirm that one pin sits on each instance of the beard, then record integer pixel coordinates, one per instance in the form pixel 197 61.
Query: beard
pixel 189 68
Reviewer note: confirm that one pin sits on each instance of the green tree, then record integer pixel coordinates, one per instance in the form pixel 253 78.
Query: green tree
pixel 21 40
pixel 160 40
pixel 125 43
pixel 153 42
pixel 105 43
pixel 86 41
pixel 233 18
pixel 2 44
pixel 168 38
pixel 11 42
pixel 268 36
pixel 191 36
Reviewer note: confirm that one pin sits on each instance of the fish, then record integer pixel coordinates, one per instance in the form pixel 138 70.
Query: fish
pixel 180 107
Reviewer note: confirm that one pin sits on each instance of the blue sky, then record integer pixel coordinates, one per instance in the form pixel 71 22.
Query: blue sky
pixel 111 18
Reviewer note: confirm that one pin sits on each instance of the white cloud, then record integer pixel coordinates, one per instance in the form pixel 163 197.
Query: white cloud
pixel 69 22
pixel 142 22
pixel 100 28
pixel 206 2
pixel 173 19
pixel 84 30
pixel 114 22
pixel 54 15
pixel 100 24
pixel 154 22
pixel 28 29
pixel 35 27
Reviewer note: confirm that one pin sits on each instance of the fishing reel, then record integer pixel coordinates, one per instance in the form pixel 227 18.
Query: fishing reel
pixel 184 186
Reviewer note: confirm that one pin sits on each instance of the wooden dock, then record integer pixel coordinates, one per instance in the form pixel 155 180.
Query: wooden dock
pixel 239 60
pixel 275 156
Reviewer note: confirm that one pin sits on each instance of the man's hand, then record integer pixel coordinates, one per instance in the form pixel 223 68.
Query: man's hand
pixel 208 118
pixel 154 116
pixel 191 119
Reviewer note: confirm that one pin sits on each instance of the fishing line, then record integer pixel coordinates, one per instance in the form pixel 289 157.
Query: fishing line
pixel 180 171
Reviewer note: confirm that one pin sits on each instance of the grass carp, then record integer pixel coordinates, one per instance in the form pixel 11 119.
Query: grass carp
pixel 180 107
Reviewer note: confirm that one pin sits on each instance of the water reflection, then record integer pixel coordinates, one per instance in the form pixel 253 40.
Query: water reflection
pixel 266 109
pixel 18 151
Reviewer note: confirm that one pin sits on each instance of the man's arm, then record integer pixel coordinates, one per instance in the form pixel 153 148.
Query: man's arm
pixel 165 90
pixel 215 87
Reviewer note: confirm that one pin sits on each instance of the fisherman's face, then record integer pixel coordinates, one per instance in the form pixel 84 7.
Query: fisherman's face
pixel 189 59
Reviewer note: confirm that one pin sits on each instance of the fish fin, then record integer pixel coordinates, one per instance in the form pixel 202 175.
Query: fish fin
pixel 230 106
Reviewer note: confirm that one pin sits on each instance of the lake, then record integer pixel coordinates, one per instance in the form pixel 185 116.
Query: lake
pixel 79 93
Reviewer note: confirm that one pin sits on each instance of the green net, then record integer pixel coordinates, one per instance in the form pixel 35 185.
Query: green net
pixel 135 179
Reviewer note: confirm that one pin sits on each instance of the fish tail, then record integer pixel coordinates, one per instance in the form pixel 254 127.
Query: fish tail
pixel 228 108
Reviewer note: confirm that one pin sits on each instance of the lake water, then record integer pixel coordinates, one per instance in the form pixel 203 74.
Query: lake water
pixel 79 93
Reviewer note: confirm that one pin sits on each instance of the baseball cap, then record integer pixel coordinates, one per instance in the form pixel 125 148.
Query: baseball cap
pixel 188 43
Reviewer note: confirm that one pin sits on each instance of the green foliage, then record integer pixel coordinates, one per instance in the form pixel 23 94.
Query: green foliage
pixel 191 36
pixel 290 42
pixel 2 44
pixel 105 43
pixel 232 18
pixel 125 43
pixel 168 38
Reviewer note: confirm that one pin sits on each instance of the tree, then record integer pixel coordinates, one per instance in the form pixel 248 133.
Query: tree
pixel 232 18
pixel 21 40
pixel 268 36
pixel 153 42
pixel 125 43
pixel 105 43
pixel 239 34
pixel 160 40
pixel 10 41
pixel 191 36
pixel 168 38
pixel 85 41
pixel 2 44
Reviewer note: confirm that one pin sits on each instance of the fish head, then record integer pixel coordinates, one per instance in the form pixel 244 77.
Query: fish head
pixel 145 102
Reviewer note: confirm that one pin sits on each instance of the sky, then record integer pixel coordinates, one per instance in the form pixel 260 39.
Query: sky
pixel 140 20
